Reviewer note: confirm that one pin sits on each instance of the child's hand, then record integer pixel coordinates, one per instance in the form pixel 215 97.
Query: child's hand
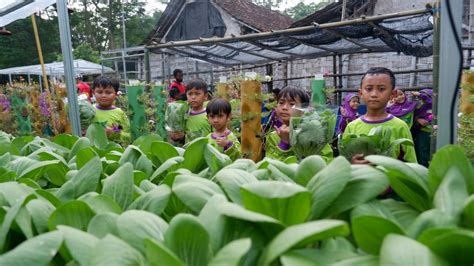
pixel 422 122
pixel 223 142
pixel 109 131
pixel 359 159
pixel 415 93
pixel 177 135
pixel 284 133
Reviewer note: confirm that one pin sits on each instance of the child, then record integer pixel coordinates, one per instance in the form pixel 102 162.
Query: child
pixel 376 89
pixel 348 111
pixel 177 88
pixel 277 142
pixel 402 107
pixel 422 126
pixel 116 121
pixel 197 124
pixel 219 115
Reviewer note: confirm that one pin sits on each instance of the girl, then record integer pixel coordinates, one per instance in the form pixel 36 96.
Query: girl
pixel 402 107
pixel 348 111
pixel 219 115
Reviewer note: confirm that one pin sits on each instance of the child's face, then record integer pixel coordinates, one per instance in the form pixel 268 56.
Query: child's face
pixel 399 97
pixel 105 96
pixel 354 103
pixel 219 121
pixel 196 98
pixel 376 90
pixel 284 108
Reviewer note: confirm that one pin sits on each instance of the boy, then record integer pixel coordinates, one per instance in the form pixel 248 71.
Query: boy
pixel 116 121
pixel 277 142
pixel 197 124
pixel 177 88
pixel 219 115
pixel 376 89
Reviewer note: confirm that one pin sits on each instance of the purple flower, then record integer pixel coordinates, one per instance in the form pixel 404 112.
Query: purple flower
pixel 5 103
pixel 43 104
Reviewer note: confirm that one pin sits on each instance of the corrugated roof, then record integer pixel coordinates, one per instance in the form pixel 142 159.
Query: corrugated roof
pixel 258 17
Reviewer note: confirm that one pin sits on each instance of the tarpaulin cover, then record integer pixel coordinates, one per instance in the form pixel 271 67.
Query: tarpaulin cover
pixel 82 67
pixel 408 35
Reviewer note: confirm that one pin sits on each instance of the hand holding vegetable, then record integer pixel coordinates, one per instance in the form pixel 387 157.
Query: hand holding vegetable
pixel 223 142
pixel 359 159
pixel 284 133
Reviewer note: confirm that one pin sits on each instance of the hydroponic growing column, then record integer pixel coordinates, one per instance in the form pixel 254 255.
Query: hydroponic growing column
pixel 251 97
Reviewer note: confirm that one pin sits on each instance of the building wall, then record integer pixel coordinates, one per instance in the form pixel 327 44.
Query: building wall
pixel 392 6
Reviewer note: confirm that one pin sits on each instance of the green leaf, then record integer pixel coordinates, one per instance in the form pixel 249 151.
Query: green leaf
pixel 451 193
pixel 401 250
pixel 242 164
pixel 23 221
pixel 300 235
pixel 232 253
pixel 40 210
pixel 468 212
pixel 65 140
pixel 131 155
pixel 135 226
pixel 231 180
pixel 326 185
pixel 147 185
pixel 163 151
pixel 100 203
pixel 446 158
pixel 194 156
pixel 406 182
pixel 308 168
pixel 103 224
pixel 403 212
pixel 167 167
pixel 194 192
pixel 454 245
pixel 39 250
pixel 286 202
pixel 288 170
pixel 158 254
pixel 79 244
pixel 84 156
pixel 13 192
pixel 145 165
pixel 80 144
pixel 76 214
pixel 10 217
pixel 188 239
pixel 214 159
pixel 97 137
pixel 6 175
pixel 369 232
pixel 368 260
pixel 119 186
pixel 35 170
pixel 5 159
pixel 111 250
pixel 48 196
pixel 85 180
pixel 154 201
pixel 366 184
pixel 430 219
pixel 145 143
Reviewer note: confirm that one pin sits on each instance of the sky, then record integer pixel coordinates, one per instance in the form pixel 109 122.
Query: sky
pixel 153 5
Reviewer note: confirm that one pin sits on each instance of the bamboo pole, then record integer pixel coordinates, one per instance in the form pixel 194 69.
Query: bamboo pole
pixel 43 71
pixel 223 90
pixel 251 110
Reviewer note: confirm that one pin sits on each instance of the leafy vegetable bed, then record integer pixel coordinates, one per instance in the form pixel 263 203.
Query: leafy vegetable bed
pixel 85 201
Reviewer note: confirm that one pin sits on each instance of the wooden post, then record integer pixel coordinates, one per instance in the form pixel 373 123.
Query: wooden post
pixel 223 90
pixel 251 109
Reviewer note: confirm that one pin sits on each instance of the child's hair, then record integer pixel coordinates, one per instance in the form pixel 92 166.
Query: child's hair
pixel 379 70
pixel 217 106
pixel 104 82
pixel 292 93
pixel 197 84
pixel 276 91
pixel 177 71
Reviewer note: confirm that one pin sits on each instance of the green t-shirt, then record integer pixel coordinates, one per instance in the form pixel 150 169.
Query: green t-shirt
pixel 280 151
pixel 408 118
pixel 399 129
pixel 197 126
pixel 114 117
pixel 233 150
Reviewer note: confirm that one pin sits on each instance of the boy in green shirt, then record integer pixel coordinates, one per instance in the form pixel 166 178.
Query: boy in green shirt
pixel 377 87
pixel 117 125
pixel 277 142
pixel 219 115
pixel 197 124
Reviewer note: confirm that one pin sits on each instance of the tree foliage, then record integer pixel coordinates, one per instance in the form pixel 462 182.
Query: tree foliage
pixel 302 10
pixel 95 27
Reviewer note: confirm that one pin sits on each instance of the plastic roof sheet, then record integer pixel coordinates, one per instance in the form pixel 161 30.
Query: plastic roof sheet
pixel 82 67
pixel 408 35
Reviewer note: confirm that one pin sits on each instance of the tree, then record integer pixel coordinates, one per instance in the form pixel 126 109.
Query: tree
pixel 302 10
pixel 272 4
